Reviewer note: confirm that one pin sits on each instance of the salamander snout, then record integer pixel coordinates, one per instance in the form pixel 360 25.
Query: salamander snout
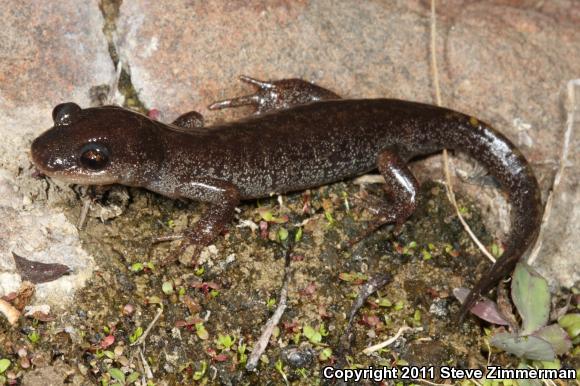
pixel 51 157
pixel 48 151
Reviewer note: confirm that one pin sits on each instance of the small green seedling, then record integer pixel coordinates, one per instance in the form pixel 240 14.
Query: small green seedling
pixel 314 335
pixel 136 335
pixel 120 378
pixel 167 287
pixel 534 339
pixel 282 234
pixel 201 331
pixel 325 354
pixel 242 356
pixel 201 372
pixel 34 337
pixel 4 365
pixel 280 368
pixel 225 342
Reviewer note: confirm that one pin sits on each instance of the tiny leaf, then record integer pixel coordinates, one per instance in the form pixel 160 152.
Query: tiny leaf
pixel 557 337
pixel 4 364
pixel 136 267
pixel 485 309
pixel 199 373
pixel 201 331
pixel 552 365
pixel 311 334
pixel 298 235
pixel 571 323
pixel 282 234
pixel 133 377
pixel 117 374
pixel 37 272
pixel 266 214
pixel 167 287
pixel 136 335
pixel 107 341
pixel 325 354
pixel 531 296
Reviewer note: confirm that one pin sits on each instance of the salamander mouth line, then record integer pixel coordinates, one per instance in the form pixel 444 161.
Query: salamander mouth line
pixel 71 178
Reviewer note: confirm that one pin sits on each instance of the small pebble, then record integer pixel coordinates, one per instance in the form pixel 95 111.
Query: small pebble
pixel 22 352
pixel 128 309
pixel 298 357
pixel 24 362
pixel 439 308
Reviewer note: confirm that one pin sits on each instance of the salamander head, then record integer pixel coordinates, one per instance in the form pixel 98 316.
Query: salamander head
pixel 98 146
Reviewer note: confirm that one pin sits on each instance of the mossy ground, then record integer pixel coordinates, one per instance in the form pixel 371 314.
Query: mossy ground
pixel 234 288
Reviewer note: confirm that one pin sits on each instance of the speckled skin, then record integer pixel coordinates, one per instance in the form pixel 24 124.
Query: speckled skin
pixel 302 137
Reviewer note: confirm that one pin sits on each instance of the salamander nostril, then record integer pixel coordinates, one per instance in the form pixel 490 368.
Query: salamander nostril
pixel 43 156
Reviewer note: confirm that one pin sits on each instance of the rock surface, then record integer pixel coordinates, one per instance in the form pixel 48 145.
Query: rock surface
pixel 51 52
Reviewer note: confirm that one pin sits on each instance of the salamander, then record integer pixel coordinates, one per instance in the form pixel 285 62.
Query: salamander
pixel 301 136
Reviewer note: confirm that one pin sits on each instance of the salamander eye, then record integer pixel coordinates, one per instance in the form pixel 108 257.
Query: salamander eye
pixel 63 114
pixel 94 156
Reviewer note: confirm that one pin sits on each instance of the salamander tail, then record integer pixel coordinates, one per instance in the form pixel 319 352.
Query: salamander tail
pixel 507 164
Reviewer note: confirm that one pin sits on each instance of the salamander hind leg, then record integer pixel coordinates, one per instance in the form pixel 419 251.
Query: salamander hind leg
pixel 401 188
pixel 277 95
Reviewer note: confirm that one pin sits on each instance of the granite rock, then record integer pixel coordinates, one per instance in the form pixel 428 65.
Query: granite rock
pixel 51 52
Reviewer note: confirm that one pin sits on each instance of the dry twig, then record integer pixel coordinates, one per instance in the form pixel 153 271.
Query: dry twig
pixel 391 340
pixel 448 184
pixel 84 212
pixel 268 328
pixel 570 118
pixel 142 338
pixel 10 312
pixel 146 367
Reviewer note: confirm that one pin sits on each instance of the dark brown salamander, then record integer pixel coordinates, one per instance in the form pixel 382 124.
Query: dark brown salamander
pixel 303 136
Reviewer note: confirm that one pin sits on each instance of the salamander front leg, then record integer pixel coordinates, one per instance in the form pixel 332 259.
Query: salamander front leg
pixel 223 198
pixel 402 189
pixel 277 95
pixel 209 226
pixel 189 121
